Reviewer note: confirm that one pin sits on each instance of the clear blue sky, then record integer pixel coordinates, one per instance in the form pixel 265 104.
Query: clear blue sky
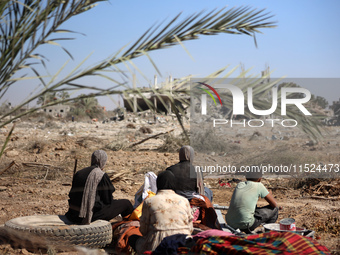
pixel 305 43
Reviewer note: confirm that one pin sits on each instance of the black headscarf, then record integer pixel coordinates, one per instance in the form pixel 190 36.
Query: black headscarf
pixel 166 180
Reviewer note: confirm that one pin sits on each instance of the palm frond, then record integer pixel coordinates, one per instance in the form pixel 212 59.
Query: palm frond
pixel 30 24
pixel 27 25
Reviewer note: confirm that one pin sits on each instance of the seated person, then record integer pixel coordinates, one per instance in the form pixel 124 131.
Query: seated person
pixel 90 197
pixel 243 213
pixel 163 215
pixel 188 181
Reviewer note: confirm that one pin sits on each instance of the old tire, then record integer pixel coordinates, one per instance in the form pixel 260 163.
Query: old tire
pixel 58 231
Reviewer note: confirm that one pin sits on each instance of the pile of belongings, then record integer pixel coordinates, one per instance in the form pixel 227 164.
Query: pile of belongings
pixel 210 239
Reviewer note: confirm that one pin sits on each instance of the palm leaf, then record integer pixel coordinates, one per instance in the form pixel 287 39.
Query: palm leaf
pixel 28 24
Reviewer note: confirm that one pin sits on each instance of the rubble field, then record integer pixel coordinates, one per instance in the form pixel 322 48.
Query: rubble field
pixel 38 163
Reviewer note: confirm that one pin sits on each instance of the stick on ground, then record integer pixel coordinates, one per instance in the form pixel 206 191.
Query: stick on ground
pixel 75 167
pixel 9 166
pixel 154 136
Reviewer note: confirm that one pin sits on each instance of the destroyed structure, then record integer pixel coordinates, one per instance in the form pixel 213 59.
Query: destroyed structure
pixel 157 100
pixel 59 110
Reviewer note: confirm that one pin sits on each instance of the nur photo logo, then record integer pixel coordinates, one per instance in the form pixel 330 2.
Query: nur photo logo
pixel 239 103
pixel 204 97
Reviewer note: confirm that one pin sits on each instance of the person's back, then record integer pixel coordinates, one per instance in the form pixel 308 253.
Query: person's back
pixel 103 197
pixel 243 212
pixel 168 211
pixel 186 177
pixel 187 183
pixel 76 193
pixel 243 203
pixel 90 197
pixel 163 215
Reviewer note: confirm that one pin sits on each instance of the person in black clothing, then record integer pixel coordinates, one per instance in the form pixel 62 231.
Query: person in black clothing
pixel 188 181
pixel 184 171
pixel 90 197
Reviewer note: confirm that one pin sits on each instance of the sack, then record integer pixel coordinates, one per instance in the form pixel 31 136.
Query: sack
pixel 137 212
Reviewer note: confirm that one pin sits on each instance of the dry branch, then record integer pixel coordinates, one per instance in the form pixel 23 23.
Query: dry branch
pixel 154 136
pixel 9 166
pixel 119 175
pixel 320 187
pixel 46 173
pixel 278 188
pixel 322 198
pixel 32 164
pixel 116 176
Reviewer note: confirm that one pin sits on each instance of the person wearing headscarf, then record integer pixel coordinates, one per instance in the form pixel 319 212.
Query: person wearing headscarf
pixel 184 171
pixel 90 197
pixel 163 215
pixel 188 181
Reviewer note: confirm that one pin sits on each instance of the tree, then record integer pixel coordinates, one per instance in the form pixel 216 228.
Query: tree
pixel 47 98
pixel 63 95
pixel 88 106
pixel 50 97
pixel 27 25
pixel 291 85
pixel 5 107
pixel 320 101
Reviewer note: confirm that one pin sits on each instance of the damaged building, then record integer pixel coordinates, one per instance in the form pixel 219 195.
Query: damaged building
pixel 59 110
pixel 155 100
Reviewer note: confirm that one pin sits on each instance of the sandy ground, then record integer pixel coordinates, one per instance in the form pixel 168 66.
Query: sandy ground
pixel 42 155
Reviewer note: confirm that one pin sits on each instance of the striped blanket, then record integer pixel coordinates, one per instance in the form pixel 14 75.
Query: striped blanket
pixel 264 243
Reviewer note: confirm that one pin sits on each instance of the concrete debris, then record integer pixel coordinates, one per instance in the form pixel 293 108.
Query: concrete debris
pixel 12 153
